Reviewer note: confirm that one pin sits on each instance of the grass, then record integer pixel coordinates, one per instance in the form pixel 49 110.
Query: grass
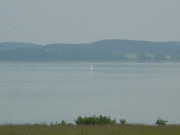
pixel 168 57
pixel 135 56
pixel 150 55
pixel 116 129
pixel 132 56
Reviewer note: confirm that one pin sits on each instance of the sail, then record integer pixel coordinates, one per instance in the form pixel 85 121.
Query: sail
pixel 91 68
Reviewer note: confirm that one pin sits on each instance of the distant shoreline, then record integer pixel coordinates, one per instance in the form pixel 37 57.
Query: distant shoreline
pixel 94 61
pixel 103 50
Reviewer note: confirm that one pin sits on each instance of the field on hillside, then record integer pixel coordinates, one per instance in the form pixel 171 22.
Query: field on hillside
pixel 89 130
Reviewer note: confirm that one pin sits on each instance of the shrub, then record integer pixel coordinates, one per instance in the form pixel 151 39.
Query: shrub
pixel 51 124
pixel 63 122
pixel 161 122
pixel 92 120
pixel 43 123
pixel 123 121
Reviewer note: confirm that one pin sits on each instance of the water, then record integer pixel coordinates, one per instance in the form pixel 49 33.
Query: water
pixel 50 92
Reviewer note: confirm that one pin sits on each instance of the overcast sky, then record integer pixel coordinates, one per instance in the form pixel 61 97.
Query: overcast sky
pixel 82 21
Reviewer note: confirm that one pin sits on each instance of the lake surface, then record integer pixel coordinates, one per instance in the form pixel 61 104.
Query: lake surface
pixel 50 92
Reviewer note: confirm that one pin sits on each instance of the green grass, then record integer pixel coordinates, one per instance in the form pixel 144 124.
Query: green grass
pixel 135 56
pixel 150 55
pixel 168 57
pixel 89 130
pixel 132 56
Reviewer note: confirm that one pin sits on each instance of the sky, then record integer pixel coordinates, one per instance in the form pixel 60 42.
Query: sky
pixel 84 21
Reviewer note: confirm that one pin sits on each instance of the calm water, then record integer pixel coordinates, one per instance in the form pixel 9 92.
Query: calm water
pixel 49 92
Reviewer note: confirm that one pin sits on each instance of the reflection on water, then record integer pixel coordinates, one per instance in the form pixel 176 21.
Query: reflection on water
pixel 49 92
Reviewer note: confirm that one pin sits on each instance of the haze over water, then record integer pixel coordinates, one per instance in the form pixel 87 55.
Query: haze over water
pixel 50 92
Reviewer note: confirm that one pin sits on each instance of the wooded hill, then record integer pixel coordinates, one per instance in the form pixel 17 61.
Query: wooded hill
pixel 104 50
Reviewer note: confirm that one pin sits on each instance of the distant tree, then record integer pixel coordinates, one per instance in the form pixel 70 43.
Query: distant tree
pixel 123 121
pixel 159 57
pixel 175 57
pixel 142 56
pixel 92 120
pixel 63 122
pixel 161 122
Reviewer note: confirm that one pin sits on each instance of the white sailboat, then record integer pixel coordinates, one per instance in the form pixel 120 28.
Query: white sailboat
pixel 91 68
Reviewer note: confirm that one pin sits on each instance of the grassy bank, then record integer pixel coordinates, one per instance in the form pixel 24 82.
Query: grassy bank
pixel 89 130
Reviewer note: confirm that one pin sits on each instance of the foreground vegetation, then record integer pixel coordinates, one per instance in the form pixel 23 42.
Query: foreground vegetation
pixel 115 129
pixel 92 125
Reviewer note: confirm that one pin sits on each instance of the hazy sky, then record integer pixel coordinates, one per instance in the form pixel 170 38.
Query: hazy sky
pixel 77 21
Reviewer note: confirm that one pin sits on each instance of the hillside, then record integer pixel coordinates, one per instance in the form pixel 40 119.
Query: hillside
pixel 104 50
